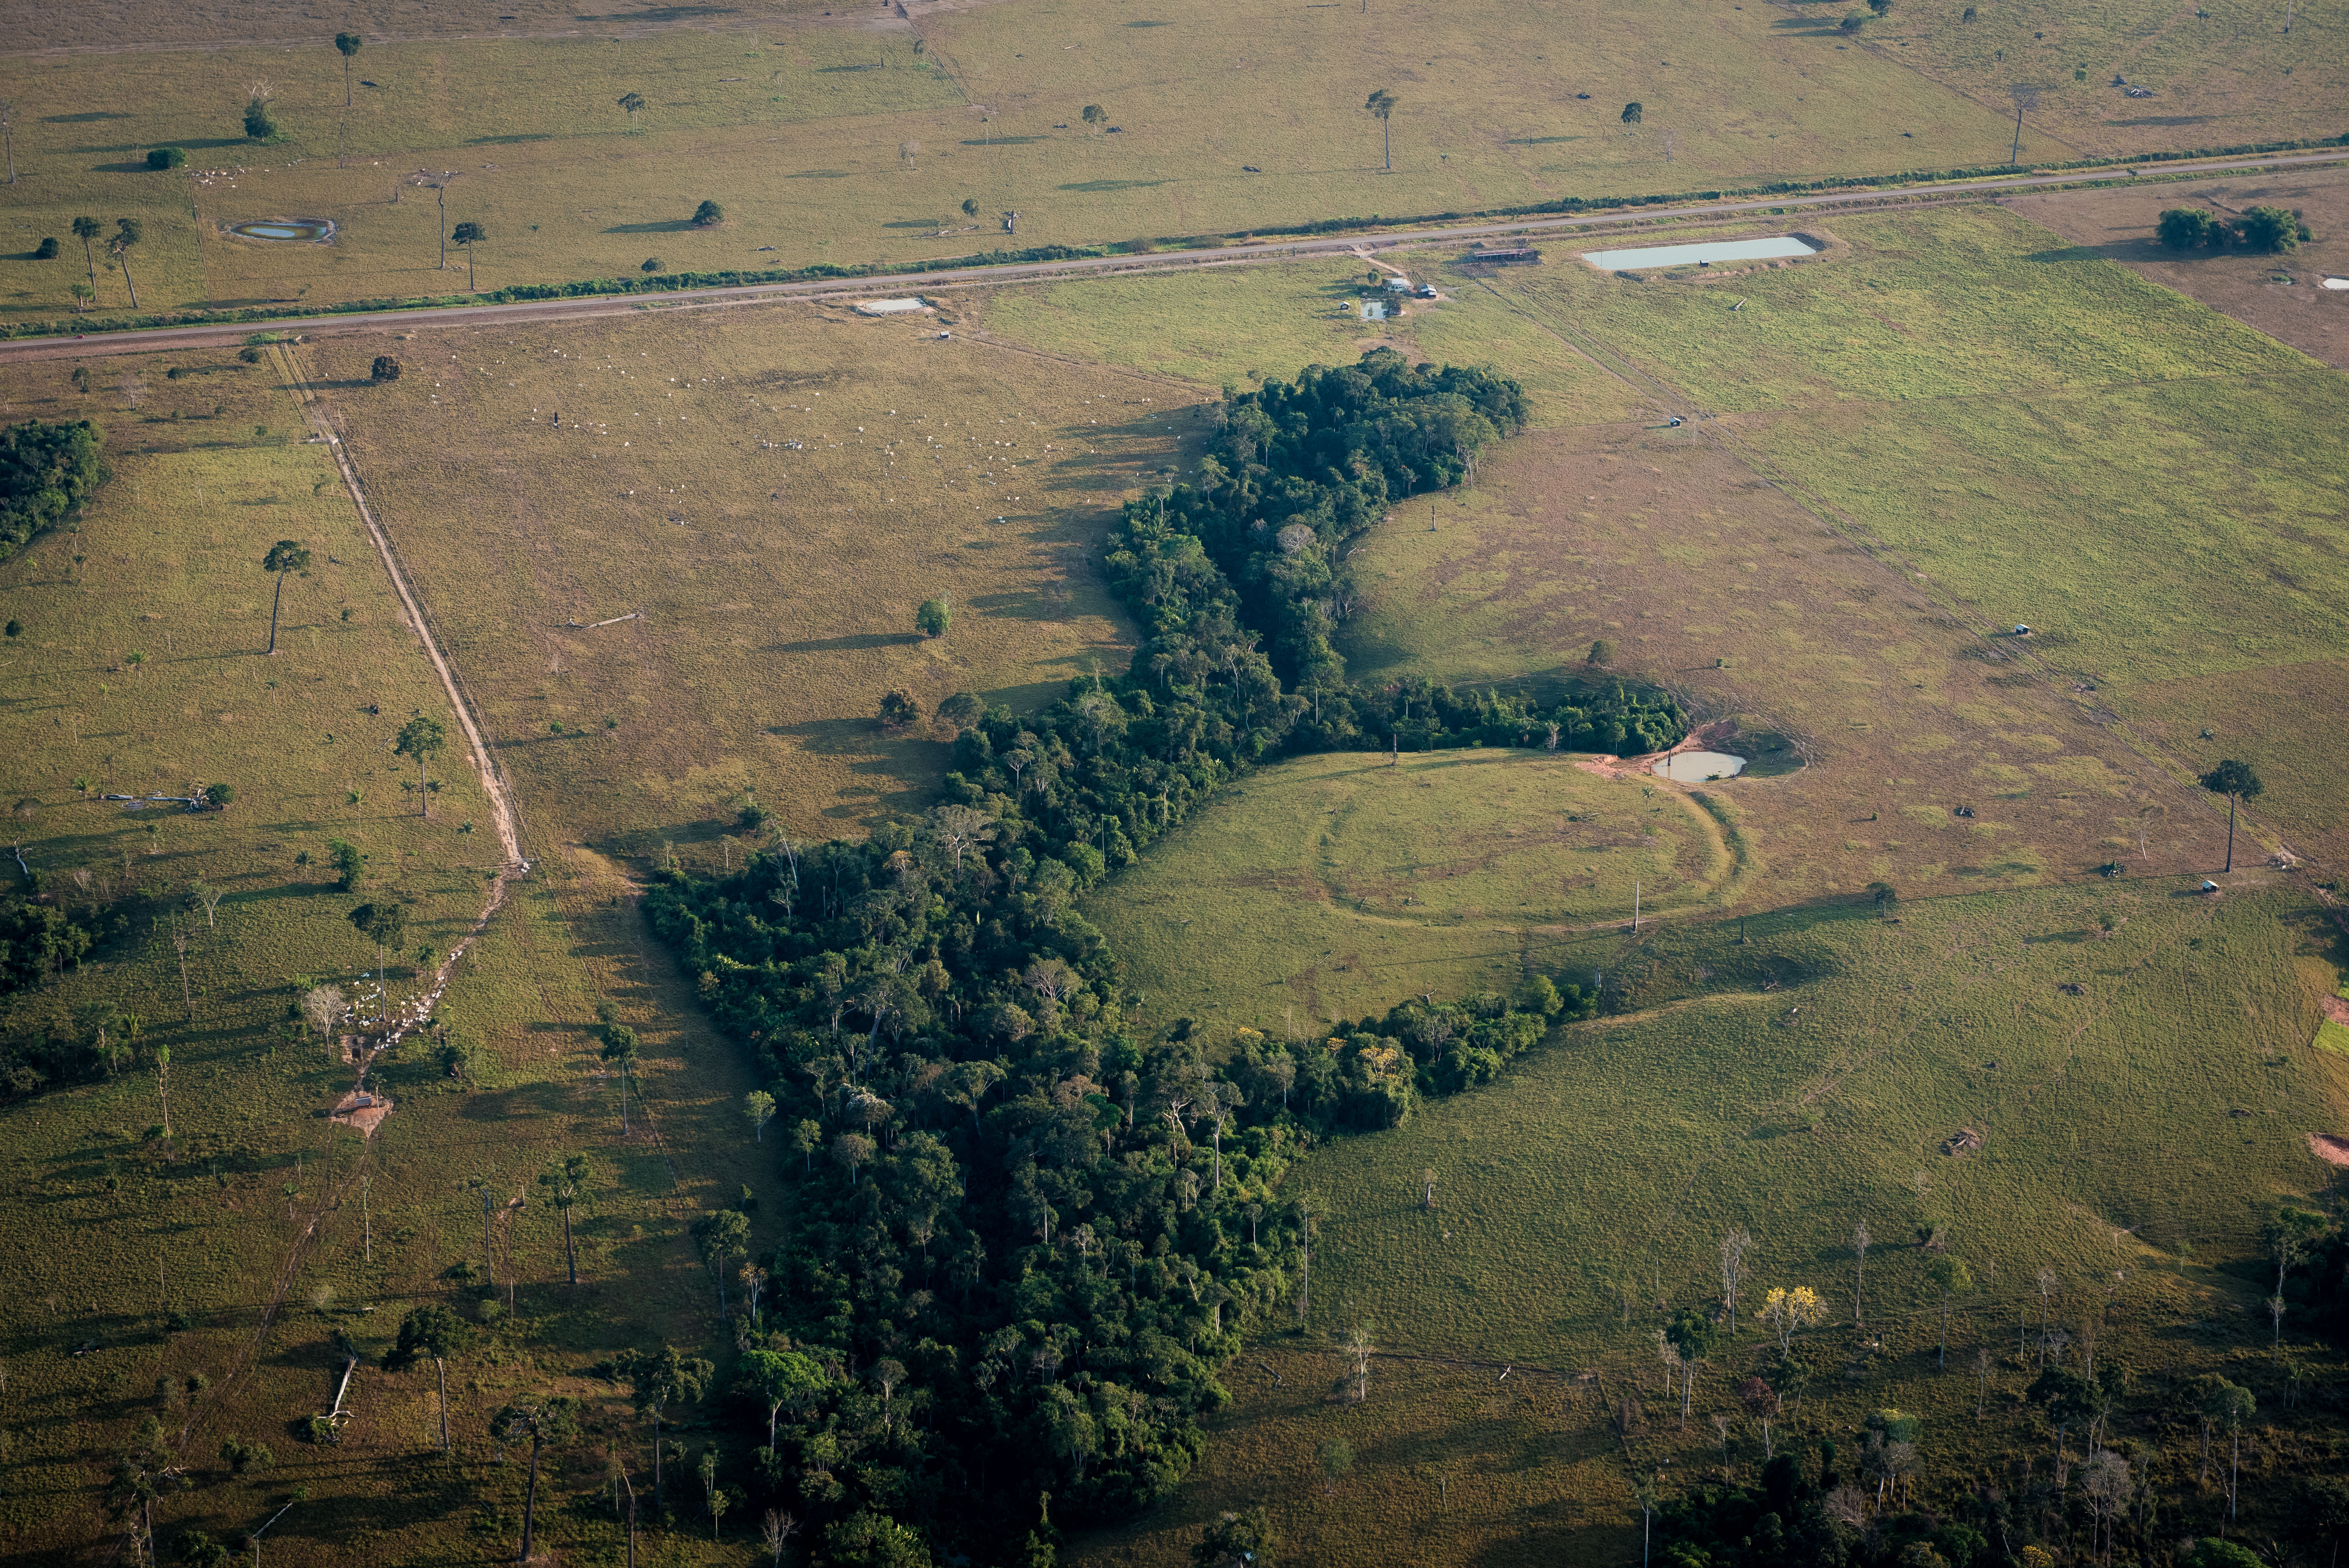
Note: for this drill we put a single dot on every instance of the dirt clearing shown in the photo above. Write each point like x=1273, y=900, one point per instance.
x=2117, y=225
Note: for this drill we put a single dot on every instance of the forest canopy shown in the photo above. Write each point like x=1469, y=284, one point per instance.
x=1027, y=1226
x=46, y=471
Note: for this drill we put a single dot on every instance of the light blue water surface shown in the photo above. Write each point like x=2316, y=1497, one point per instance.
x=1702, y=251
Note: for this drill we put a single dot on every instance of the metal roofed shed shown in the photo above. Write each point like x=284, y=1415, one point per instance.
x=1505, y=256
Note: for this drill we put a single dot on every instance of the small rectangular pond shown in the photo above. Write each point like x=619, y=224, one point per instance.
x=1688, y=255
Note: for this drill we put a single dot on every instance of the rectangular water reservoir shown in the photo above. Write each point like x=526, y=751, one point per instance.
x=1688, y=255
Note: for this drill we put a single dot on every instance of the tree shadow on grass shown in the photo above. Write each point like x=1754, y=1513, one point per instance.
x=673, y=226
x=856, y=642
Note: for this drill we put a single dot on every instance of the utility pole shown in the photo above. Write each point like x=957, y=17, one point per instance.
x=1635, y=906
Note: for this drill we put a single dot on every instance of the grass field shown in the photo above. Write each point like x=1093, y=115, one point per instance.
x=775, y=490
x=1336, y=886
x=2135, y=1135
x=256, y=1198
x=818, y=157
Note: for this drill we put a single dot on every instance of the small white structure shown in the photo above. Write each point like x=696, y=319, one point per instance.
x=2021, y=630
x=891, y=307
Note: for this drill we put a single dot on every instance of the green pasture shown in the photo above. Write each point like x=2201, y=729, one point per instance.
x=1808, y=1079
x=1252, y=323
x=118, y=1228
x=1333, y=886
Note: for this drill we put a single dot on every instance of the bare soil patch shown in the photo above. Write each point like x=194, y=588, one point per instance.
x=2329, y=1147
x=2118, y=225
x=362, y=1110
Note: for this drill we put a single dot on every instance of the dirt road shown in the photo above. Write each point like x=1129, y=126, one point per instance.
x=1287, y=250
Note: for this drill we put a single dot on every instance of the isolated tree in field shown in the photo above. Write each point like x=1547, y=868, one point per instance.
x=970, y=207
x=348, y=43
x=1380, y=105
x=468, y=234
x=1860, y=1242
x=2184, y=228
x=778, y=1378
x=146, y=1468
x=2228, y=1406
x=161, y=159
x=126, y=233
x=1095, y=115
x=384, y=370
x=1602, y=654
x=933, y=616
x=434, y=1332
x=1693, y=1337
x=723, y=1238
x=350, y=862
x=420, y=738
x=709, y=215
x=633, y=103
x=2269, y=230
x=1236, y=1540
x=658, y=1379
x=2238, y=783
x=1786, y=1311
x=538, y=1422
x=1734, y=1244
x=1880, y=7
x=1850, y=23
x=259, y=124
x=759, y=1107
x=1950, y=1277
x=86, y=230
x=620, y=1048
x=381, y=923
x=1631, y=112
x=285, y=555
x=321, y=1005
x=564, y=1180
x=900, y=709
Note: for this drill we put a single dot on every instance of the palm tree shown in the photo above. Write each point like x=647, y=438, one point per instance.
x=86, y=230
x=1381, y=103
x=126, y=233
x=2237, y=782
x=348, y=43
x=541, y=1422
x=468, y=235
x=435, y=1332
x=285, y=555
x=420, y=738
x=564, y=1180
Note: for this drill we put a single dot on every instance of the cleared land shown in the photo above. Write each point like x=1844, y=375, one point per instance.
x=773, y=491
x=256, y=1201
x=826, y=142
x=2283, y=296
x=1335, y=886
x=1579, y=1200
